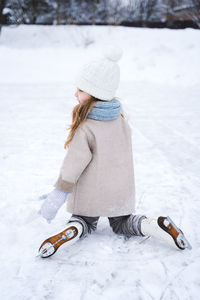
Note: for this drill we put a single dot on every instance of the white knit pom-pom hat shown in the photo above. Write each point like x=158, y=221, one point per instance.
x=100, y=77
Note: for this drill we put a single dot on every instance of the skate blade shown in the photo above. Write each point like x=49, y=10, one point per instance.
x=46, y=250
x=180, y=239
x=51, y=245
x=144, y=240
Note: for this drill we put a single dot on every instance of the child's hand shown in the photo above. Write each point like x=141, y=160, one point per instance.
x=52, y=203
x=43, y=196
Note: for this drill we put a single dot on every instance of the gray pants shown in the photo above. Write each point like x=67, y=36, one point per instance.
x=128, y=225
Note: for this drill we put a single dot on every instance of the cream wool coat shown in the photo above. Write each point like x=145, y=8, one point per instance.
x=98, y=171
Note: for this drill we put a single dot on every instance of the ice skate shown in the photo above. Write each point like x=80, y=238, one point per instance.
x=70, y=235
x=165, y=229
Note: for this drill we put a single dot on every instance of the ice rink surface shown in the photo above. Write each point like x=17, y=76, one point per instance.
x=160, y=92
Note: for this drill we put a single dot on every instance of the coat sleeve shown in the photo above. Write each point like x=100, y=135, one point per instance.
x=75, y=161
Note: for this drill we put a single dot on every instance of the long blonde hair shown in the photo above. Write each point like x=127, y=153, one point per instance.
x=79, y=116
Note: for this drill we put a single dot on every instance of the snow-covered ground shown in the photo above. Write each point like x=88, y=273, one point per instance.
x=160, y=91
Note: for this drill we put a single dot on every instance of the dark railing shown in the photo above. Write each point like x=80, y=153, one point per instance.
x=137, y=13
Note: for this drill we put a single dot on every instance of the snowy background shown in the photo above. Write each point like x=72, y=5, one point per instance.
x=160, y=92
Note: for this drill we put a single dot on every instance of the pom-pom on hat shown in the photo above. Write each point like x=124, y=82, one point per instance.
x=100, y=77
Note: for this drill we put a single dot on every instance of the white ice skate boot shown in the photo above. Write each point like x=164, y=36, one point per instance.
x=166, y=230
x=69, y=236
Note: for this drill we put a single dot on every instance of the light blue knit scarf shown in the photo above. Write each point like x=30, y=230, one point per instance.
x=106, y=110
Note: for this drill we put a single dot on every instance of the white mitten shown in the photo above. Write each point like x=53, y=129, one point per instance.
x=53, y=201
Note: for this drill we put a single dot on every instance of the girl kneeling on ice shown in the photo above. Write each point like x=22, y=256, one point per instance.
x=97, y=174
